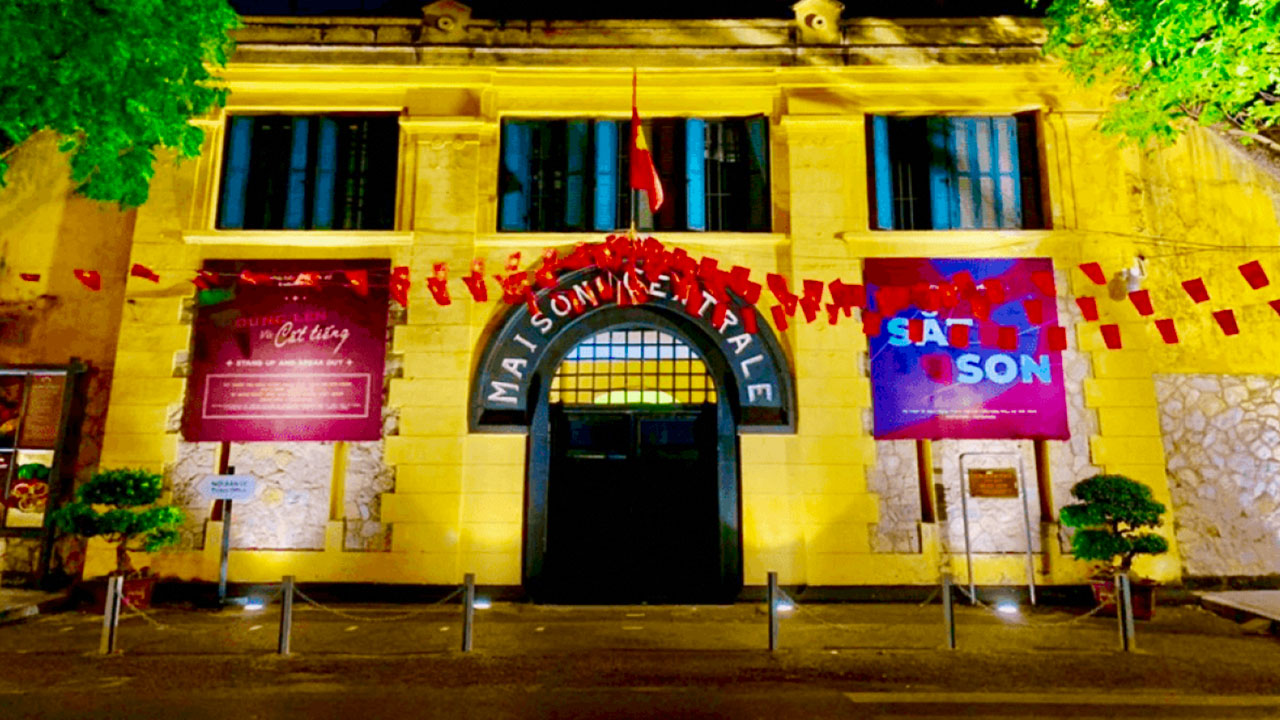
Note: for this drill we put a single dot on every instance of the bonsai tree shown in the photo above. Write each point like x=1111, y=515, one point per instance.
x=1111, y=520
x=120, y=505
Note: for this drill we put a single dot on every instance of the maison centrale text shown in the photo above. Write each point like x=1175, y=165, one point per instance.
x=522, y=351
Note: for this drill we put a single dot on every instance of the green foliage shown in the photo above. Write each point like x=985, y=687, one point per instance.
x=1110, y=518
x=115, y=79
x=33, y=471
x=1212, y=61
x=128, y=516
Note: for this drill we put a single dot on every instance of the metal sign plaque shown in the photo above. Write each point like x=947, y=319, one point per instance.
x=228, y=487
x=993, y=482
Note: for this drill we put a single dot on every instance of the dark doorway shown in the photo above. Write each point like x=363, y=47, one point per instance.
x=633, y=506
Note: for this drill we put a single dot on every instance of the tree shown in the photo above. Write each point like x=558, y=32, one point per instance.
x=1111, y=520
x=115, y=79
x=1216, y=62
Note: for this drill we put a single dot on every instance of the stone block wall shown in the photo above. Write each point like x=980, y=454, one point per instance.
x=1222, y=439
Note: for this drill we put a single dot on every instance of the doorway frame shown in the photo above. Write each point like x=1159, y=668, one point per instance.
x=539, y=449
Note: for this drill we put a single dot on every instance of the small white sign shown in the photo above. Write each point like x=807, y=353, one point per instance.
x=227, y=487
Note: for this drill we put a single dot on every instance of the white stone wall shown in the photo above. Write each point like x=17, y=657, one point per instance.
x=894, y=479
x=367, y=478
x=1222, y=444
x=996, y=525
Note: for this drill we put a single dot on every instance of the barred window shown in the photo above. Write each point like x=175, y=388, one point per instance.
x=632, y=366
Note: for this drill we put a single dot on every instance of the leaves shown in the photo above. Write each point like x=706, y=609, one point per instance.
x=115, y=79
x=152, y=527
x=1209, y=61
x=1110, y=517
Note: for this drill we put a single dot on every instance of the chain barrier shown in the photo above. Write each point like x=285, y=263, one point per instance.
x=150, y=620
x=1022, y=620
x=366, y=618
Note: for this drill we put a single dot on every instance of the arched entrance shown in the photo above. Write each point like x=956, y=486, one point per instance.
x=633, y=414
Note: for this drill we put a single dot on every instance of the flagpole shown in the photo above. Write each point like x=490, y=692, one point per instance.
x=635, y=194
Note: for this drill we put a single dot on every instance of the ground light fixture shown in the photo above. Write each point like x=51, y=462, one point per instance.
x=1007, y=607
x=254, y=604
x=482, y=604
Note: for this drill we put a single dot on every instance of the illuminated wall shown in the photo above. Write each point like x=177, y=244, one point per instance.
x=811, y=501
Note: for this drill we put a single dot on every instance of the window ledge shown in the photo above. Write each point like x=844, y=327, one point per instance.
x=525, y=239
x=965, y=243
x=299, y=238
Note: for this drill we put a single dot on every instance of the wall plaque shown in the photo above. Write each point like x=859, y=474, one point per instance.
x=993, y=482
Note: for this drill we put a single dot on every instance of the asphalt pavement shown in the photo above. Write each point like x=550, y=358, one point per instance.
x=836, y=661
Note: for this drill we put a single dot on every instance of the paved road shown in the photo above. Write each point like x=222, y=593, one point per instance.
x=319, y=699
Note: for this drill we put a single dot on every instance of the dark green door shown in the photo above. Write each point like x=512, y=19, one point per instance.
x=633, y=507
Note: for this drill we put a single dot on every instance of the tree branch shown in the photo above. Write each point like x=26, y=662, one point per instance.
x=1260, y=139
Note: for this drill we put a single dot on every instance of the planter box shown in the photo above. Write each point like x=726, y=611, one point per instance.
x=137, y=591
x=1144, y=598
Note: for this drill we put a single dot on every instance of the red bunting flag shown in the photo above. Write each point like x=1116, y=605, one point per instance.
x=1043, y=280
x=989, y=336
x=810, y=308
x=400, y=285
x=719, y=315
x=813, y=289
x=30, y=277
x=144, y=272
x=438, y=285
x=1057, y=338
x=89, y=278
x=937, y=367
x=1195, y=288
x=1088, y=308
x=1111, y=336
x=958, y=335
x=871, y=323
x=749, y=322
x=980, y=306
x=1034, y=310
x=477, y=287
x=1168, y=332
x=1275, y=305
x=604, y=288
x=205, y=280
x=891, y=299
x=250, y=277
x=531, y=301
x=1254, y=274
x=833, y=313
x=915, y=330
x=1007, y=338
x=513, y=262
x=358, y=280
x=994, y=290
x=1141, y=300
x=963, y=282
x=1227, y=321
x=1093, y=271
x=779, y=318
x=778, y=286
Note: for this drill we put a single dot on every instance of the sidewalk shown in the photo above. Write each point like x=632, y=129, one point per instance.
x=1183, y=649
x=18, y=604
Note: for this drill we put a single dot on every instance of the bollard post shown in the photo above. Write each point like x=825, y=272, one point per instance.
x=1124, y=606
x=468, y=609
x=286, y=615
x=773, y=611
x=111, y=614
x=948, y=611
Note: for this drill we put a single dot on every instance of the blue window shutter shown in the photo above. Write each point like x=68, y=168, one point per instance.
x=577, y=139
x=605, y=211
x=695, y=173
x=514, y=177
x=883, y=164
x=296, y=199
x=235, y=179
x=760, y=203
x=326, y=172
x=1008, y=175
x=940, y=191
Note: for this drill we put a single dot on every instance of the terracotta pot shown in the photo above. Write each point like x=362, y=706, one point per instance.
x=1144, y=598
x=137, y=591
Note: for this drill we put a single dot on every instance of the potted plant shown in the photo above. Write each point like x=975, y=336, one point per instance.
x=120, y=505
x=1112, y=522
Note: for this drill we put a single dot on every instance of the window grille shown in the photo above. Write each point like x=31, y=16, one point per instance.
x=632, y=366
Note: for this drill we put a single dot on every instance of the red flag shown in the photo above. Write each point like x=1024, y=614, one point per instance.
x=1093, y=271
x=779, y=318
x=833, y=313
x=144, y=272
x=1034, y=310
x=871, y=323
x=359, y=281
x=1088, y=307
x=1043, y=280
x=915, y=330
x=1227, y=321
x=1195, y=288
x=1275, y=305
x=749, y=319
x=30, y=277
x=644, y=176
x=89, y=278
x=937, y=367
x=1007, y=337
x=1254, y=274
x=1141, y=300
x=1167, y=330
x=1111, y=336
x=400, y=285
x=1057, y=338
x=958, y=335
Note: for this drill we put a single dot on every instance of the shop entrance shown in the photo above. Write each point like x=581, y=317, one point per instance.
x=641, y=493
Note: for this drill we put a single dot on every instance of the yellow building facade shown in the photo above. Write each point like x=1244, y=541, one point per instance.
x=814, y=496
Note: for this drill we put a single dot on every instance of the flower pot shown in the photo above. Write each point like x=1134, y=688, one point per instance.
x=1144, y=598
x=137, y=592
